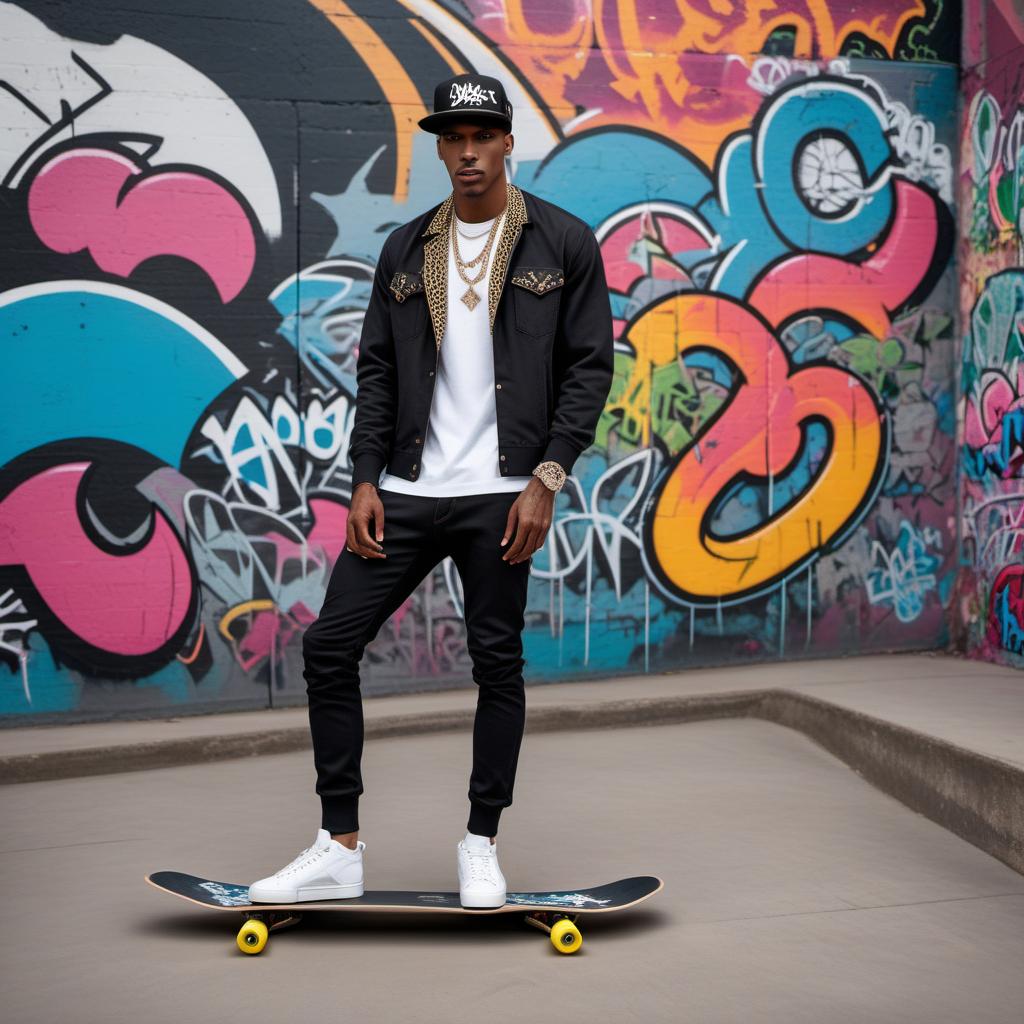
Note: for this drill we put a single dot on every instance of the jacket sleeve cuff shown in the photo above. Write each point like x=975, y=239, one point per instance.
x=561, y=452
x=366, y=469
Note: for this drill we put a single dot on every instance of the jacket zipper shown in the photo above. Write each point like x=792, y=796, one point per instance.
x=504, y=278
x=430, y=404
x=433, y=387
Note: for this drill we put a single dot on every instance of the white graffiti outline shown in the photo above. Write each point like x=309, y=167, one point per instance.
x=11, y=604
x=1001, y=544
x=897, y=577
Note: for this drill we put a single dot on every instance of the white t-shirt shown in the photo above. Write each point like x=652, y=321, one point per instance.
x=460, y=448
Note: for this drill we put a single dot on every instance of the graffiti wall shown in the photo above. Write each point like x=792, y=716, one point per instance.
x=990, y=598
x=193, y=203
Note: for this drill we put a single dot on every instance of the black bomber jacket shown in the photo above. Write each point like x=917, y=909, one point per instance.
x=551, y=330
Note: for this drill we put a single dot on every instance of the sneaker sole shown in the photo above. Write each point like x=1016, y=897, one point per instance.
x=483, y=900
x=306, y=894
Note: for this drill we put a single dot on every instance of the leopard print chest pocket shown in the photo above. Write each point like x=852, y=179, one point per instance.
x=408, y=304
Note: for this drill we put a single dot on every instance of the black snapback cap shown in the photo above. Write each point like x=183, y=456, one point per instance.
x=468, y=97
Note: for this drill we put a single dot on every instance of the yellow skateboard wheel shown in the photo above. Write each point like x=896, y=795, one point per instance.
x=565, y=936
x=252, y=936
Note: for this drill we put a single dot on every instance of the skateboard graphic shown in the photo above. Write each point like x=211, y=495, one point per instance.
x=552, y=912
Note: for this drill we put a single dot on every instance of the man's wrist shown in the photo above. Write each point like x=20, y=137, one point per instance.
x=366, y=468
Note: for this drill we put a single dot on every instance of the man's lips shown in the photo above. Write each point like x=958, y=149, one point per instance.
x=474, y=173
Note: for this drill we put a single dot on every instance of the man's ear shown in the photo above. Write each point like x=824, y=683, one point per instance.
x=509, y=142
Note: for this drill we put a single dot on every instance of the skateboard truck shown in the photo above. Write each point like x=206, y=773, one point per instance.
x=255, y=933
x=561, y=929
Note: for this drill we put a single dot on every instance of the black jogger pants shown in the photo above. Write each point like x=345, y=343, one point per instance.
x=363, y=593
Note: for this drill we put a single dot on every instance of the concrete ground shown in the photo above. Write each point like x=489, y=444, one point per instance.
x=794, y=890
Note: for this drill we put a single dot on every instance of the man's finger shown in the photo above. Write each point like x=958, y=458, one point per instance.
x=518, y=546
x=510, y=524
x=532, y=542
x=365, y=544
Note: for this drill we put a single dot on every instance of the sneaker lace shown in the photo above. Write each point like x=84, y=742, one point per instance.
x=480, y=865
x=307, y=856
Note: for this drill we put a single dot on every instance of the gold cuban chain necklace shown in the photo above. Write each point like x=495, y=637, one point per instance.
x=470, y=296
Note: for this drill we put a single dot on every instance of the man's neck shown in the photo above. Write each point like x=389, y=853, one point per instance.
x=472, y=209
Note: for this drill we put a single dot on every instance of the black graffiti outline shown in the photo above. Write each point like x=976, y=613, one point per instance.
x=67, y=118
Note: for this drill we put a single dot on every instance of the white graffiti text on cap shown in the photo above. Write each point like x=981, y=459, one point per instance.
x=469, y=92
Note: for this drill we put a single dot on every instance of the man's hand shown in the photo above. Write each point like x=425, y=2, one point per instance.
x=529, y=518
x=366, y=508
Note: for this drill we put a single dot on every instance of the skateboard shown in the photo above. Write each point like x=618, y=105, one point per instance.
x=552, y=912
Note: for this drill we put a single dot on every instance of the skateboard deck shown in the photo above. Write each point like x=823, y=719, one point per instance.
x=552, y=911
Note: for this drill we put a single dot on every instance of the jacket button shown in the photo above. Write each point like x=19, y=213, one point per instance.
x=431, y=374
x=502, y=458
x=414, y=467
x=498, y=386
x=419, y=440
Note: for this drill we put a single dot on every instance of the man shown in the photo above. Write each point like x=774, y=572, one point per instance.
x=485, y=361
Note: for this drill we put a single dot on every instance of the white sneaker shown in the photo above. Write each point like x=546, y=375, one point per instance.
x=481, y=883
x=324, y=871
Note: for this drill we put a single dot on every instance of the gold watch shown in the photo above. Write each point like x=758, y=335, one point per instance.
x=550, y=474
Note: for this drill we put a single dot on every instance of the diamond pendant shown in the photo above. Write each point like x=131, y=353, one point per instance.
x=470, y=298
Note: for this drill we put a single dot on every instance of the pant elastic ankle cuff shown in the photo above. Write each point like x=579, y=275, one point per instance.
x=339, y=814
x=483, y=821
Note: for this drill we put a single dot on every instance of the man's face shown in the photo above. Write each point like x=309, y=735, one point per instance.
x=474, y=155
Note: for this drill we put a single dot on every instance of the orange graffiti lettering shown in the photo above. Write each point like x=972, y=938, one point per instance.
x=758, y=434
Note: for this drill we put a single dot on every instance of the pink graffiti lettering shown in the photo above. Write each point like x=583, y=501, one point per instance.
x=866, y=291
x=128, y=604
x=101, y=201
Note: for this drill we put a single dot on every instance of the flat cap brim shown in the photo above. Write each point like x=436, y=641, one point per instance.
x=435, y=122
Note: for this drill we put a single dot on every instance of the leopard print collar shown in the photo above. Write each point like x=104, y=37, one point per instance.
x=435, y=258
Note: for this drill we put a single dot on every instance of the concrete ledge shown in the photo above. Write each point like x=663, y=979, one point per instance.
x=169, y=753
x=979, y=798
